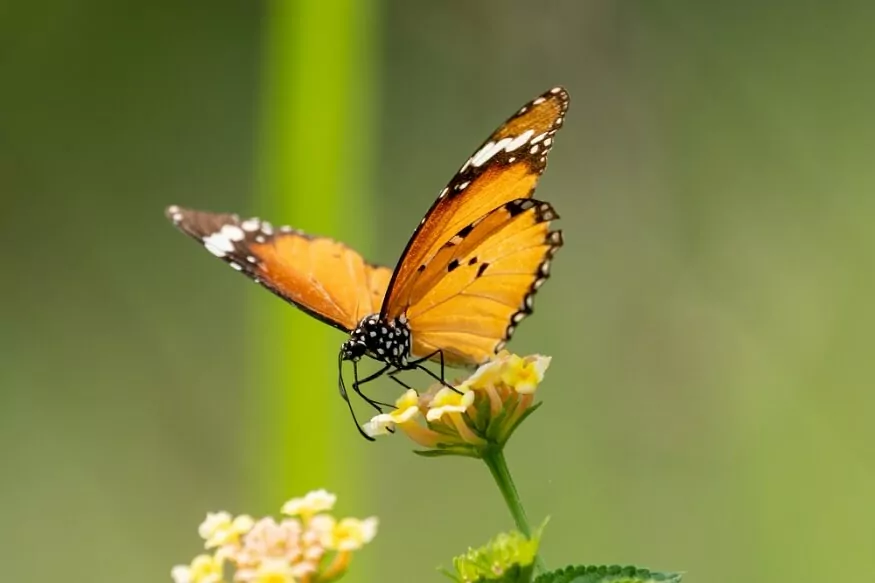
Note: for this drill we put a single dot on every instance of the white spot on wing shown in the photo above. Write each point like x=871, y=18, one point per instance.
x=483, y=154
x=490, y=149
x=233, y=232
x=519, y=140
x=214, y=250
x=218, y=244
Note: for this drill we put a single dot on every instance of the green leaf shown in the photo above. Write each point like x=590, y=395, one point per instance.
x=507, y=558
x=607, y=574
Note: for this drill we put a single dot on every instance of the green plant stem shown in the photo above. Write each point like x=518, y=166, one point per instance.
x=498, y=468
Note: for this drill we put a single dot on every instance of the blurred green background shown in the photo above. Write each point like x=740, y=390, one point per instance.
x=710, y=403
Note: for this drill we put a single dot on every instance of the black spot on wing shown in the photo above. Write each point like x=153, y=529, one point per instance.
x=518, y=206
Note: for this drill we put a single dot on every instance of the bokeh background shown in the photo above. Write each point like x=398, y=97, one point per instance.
x=710, y=403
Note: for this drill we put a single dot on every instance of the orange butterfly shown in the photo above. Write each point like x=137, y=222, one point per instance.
x=465, y=280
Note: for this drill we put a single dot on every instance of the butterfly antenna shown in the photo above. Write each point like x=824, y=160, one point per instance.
x=345, y=395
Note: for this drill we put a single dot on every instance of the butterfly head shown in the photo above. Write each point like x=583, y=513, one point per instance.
x=387, y=342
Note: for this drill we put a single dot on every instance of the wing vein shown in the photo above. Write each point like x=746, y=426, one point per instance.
x=318, y=285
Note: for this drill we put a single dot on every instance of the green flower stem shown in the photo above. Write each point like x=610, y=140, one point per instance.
x=497, y=465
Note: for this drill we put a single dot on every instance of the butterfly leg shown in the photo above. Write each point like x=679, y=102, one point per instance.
x=441, y=379
x=358, y=383
x=392, y=376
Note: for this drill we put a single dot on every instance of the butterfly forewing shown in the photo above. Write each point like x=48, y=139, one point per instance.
x=506, y=167
x=321, y=276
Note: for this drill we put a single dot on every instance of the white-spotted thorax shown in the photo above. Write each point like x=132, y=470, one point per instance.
x=387, y=342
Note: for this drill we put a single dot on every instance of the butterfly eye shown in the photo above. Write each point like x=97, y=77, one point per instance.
x=353, y=349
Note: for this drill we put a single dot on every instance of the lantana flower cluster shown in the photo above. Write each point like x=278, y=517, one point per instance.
x=308, y=545
x=471, y=416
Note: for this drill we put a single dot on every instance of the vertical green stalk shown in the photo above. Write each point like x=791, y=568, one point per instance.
x=497, y=465
x=316, y=86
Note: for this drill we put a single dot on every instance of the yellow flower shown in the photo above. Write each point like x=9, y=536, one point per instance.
x=219, y=529
x=524, y=374
x=488, y=373
x=406, y=410
x=349, y=534
x=448, y=400
x=352, y=534
x=313, y=503
x=203, y=569
x=311, y=546
x=478, y=414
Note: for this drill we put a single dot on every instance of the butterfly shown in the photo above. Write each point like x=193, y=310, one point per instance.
x=465, y=280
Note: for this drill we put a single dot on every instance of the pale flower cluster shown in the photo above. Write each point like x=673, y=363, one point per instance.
x=308, y=545
x=479, y=412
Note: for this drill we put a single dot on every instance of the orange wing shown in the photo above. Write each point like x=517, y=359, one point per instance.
x=482, y=283
x=505, y=168
x=322, y=277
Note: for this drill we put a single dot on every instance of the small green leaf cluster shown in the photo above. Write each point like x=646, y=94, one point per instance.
x=510, y=558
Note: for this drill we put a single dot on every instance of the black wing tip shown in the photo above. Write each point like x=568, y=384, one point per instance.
x=559, y=92
x=545, y=211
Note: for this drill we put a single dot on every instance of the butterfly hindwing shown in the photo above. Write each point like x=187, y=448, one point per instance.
x=482, y=283
x=321, y=276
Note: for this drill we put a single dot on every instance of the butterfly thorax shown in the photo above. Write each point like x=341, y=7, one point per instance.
x=386, y=341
